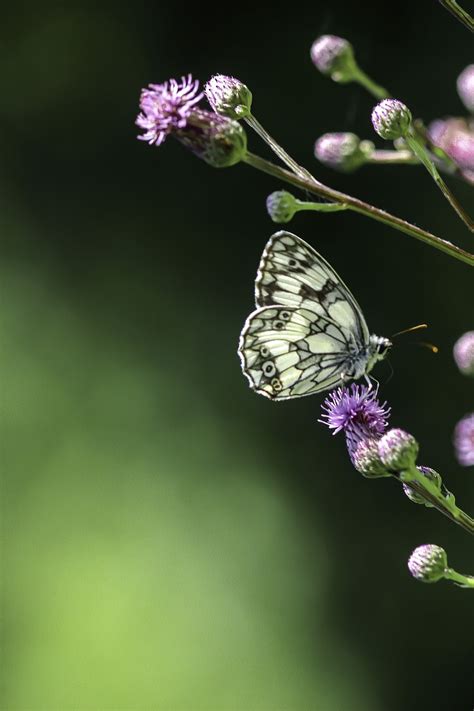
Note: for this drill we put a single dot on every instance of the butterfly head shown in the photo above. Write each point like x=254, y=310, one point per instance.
x=378, y=349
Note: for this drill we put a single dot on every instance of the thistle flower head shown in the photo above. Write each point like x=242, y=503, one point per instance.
x=228, y=96
x=342, y=151
x=166, y=107
x=391, y=119
x=464, y=441
x=366, y=459
x=465, y=86
x=428, y=563
x=456, y=137
x=281, y=206
x=334, y=57
x=463, y=353
x=170, y=109
x=357, y=412
x=398, y=449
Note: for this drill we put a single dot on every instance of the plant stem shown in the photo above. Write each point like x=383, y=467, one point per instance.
x=320, y=206
x=375, y=89
x=420, y=151
x=438, y=499
x=393, y=157
x=464, y=581
x=316, y=188
x=276, y=148
x=463, y=16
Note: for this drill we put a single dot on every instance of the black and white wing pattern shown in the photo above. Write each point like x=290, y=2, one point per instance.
x=307, y=330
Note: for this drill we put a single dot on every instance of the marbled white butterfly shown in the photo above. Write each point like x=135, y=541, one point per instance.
x=308, y=333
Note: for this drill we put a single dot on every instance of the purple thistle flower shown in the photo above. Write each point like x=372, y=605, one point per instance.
x=456, y=137
x=357, y=412
x=166, y=107
x=170, y=109
x=464, y=440
x=463, y=353
x=342, y=151
x=465, y=86
x=428, y=563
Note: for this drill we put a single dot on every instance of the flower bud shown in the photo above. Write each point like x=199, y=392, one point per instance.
x=334, y=57
x=281, y=206
x=228, y=96
x=398, y=450
x=463, y=353
x=417, y=498
x=391, y=119
x=464, y=441
x=366, y=459
x=465, y=86
x=218, y=140
x=428, y=563
x=342, y=151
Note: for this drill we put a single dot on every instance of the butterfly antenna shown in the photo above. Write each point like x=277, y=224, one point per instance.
x=408, y=330
x=431, y=346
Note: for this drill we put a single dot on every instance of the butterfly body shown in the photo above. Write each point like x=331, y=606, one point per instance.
x=308, y=333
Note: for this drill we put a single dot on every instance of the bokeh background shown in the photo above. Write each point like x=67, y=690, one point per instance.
x=170, y=540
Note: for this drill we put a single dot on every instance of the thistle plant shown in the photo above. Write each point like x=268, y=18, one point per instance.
x=216, y=133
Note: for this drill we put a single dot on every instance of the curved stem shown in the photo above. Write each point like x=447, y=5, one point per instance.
x=441, y=500
x=316, y=188
x=379, y=92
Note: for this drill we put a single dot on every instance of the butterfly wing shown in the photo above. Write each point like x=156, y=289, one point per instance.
x=293, y=274
x=288, y=352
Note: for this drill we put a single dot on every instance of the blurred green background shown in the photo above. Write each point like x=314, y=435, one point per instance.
x=170, y=540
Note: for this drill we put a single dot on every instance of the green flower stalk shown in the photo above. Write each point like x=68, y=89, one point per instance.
x=282, y=206
x=392, y=120
x=230, y=97
x=334, y=57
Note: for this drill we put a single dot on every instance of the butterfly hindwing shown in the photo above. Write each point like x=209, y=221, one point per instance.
x=293, y=274
x=291, y=351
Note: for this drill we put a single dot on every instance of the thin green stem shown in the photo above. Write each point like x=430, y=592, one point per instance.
x=464, y=581
x=319, y=206
x=379, y=92
x=442, y=501
x=414, y=143
x=458, y=12
x=276, y=148
x=383, y=157
x=316, y=188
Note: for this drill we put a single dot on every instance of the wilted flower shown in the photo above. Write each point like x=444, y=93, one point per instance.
x=465, y=85
x=357, y=412
x=464, y=440
x=391, y=119
x=463, y=353
x=170, y=109
x=428, y=563
x=342, y=151
x=228, y=96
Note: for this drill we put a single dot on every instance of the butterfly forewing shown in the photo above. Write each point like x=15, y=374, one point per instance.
x=307, y=326
x=292, y=273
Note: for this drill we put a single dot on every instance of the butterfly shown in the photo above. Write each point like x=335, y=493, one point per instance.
x=308, y=333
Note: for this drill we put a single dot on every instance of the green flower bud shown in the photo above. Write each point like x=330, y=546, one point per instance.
x=391, y=119
x=281, y=206
x=228, y=96
x=430, y=474
x=218, y=140
x=366, y=459
x=398, y=450
x=342, y=151
x=428, y=563
x=334, y=57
